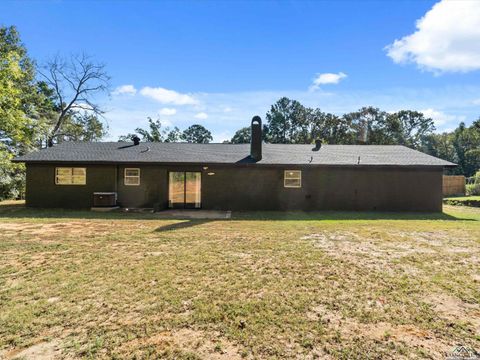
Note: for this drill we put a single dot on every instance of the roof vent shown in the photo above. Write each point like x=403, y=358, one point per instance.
x=136, y=140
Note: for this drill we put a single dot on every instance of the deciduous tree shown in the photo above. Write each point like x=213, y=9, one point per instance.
x=466, y=141
x=407, y=127
x=197, y=134
x=156, y=132
x=242, y=136
x=18, y=95
x=75, y=82
x=18, y=100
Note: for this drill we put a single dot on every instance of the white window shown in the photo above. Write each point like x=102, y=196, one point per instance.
x=292, y=179
x=70, y=176
x=132, y=176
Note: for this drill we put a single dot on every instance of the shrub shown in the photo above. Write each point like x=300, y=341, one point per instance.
x=477, y=177
x=12, y=177
x=463, y=201
x=473, y=189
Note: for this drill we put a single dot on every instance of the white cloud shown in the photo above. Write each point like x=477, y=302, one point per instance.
x=125, y=89
x=167, y=111
x=227, y=109
x=447, y=39
x=201, y=116
x=82, y=106
x=325, y=79
x=476, y=101
x=440, y=118
x=166, y=96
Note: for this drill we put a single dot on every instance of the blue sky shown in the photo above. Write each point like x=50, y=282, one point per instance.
x=220, y=63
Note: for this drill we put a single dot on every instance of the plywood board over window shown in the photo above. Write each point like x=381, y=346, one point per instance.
x=70, y=176
x=132, y=176
x=292, y=179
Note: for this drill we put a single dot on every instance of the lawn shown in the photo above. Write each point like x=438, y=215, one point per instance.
x=261, y=285
x=463, y=201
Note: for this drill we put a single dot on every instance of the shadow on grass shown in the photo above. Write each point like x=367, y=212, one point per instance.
x=183, y=225
x=19, y=211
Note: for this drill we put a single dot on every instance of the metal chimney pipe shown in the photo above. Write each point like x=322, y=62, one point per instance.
x=256, y=139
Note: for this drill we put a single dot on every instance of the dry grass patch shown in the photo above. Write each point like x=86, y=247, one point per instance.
x=186, y=341
x=40, y=351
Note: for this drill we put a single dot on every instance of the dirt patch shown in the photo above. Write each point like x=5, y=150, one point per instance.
x=18, y=227
x=369, y=252
x=348, y=242
x=70, y=228
x=381, y=331
x=379, y=250
x=452, y=308
x=206, y=346
x=40, y=351
x=435, y=238
x=406, y=334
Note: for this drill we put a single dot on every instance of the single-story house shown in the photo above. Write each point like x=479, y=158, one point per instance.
x=256, y=176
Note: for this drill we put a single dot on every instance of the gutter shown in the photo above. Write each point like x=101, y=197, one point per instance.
x=236, y=164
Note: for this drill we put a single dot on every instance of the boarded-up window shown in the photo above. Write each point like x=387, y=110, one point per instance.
x=132, y=176
x=292, y=179
x=70, y=176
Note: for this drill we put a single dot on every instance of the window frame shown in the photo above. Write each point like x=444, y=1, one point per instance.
x=71, y=176
x=125, y=176
x=299, y=178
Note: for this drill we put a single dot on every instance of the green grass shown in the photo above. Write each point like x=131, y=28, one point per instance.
x=261, y=285
x=464, y=198
x=463, y=201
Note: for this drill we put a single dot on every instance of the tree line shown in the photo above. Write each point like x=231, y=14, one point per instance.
x=156, y=132
x=290, y=122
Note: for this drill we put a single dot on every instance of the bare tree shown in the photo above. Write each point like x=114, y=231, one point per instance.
x=75, y=81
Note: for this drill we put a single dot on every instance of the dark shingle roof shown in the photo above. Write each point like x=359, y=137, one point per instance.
x=273, y=154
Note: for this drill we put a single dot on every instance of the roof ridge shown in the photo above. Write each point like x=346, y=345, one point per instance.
x=187, y=143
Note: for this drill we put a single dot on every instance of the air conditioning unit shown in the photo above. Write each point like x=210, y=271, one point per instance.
x=104, y=199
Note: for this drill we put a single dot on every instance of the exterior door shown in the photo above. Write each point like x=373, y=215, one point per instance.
x=184, y=189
